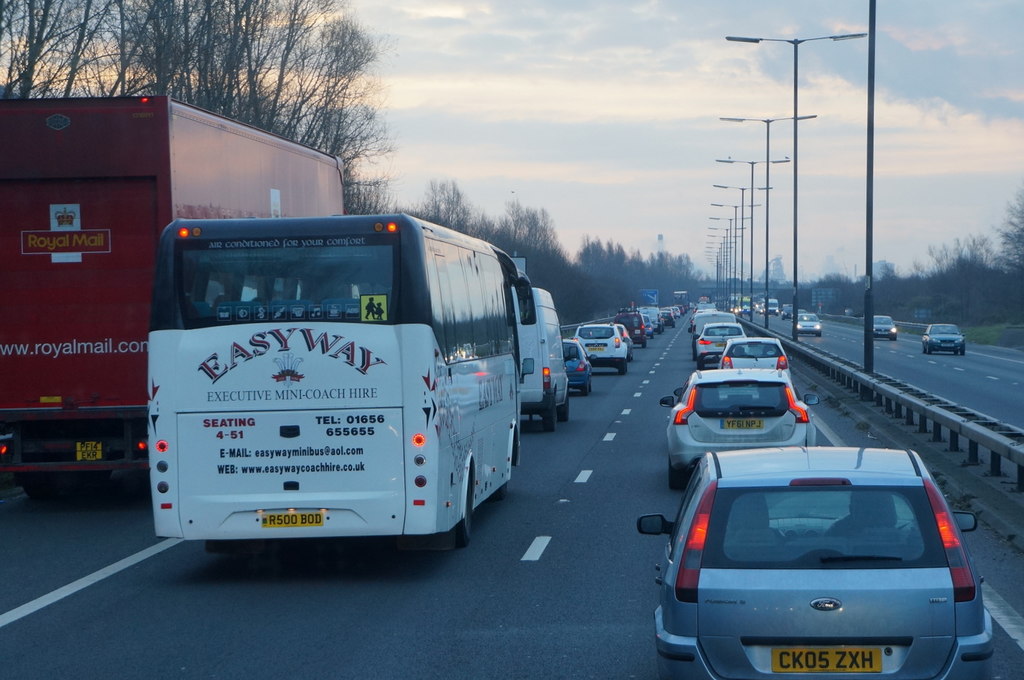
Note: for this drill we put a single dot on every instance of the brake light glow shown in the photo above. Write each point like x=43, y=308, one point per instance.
x=618, y=341
x=782, y=364
x=727, y=362
x=684, y=413
x=794, y=408
x=688, y=576
x=702, y=341
x=964, y=589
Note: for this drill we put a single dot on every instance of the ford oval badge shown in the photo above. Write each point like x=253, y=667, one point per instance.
x=826, y=604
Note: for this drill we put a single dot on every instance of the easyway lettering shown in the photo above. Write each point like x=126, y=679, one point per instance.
x=289, y=340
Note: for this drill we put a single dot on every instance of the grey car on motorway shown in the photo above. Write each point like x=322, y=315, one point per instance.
x=823, y=561
x=884, y=327
x=943, y=337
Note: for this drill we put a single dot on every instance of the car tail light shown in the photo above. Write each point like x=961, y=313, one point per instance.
x=795, y=408
x=547, y=378
x=964, y=589
x=688, y=577
x=618, y=341
x=727, y=362
x=702, y=341
x=582, y=367
x=782, y=364
x=684, y=413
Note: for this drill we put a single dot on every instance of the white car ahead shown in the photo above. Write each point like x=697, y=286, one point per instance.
x=738, y=408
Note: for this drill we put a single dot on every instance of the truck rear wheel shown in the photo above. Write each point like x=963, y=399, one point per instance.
x=38, y=486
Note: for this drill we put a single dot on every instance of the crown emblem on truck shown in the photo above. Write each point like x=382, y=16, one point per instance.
x=65, y=218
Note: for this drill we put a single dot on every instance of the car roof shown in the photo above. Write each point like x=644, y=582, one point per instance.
x=720, y=375
x=723, y=324
x=781, y=465
x=753, y=339
x=596, y=325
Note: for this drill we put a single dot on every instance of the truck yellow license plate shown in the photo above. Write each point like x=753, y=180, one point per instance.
x=284, y=520
x=827, y=660
x=743, y=424
x=88, y=450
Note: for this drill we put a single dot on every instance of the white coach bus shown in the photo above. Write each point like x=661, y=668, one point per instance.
x=330, y=376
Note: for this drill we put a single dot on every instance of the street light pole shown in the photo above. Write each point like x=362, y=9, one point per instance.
x=752, y=206
x=795, y=42
x=869, y=302
x=767, y=181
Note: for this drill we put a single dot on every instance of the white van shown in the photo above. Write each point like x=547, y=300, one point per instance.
x=544, y=384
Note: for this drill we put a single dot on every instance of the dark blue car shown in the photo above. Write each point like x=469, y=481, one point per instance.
x=577, y=367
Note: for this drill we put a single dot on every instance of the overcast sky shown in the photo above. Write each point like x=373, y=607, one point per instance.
x=607, y=115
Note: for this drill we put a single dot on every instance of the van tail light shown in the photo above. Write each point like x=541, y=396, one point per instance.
x=964, y=589
x=547, y=378
x=684, y=413
x=727, y=362
x=688, y=576
x=799, y=411
x=782, y=364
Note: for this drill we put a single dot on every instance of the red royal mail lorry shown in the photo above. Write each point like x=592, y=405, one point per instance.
x=86, y=186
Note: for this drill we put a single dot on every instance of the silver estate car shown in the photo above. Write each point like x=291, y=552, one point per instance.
x=829, y=562
x=737, y=408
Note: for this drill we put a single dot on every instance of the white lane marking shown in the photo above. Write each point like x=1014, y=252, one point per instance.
x=626, y=411
x=646, y=382
x=957, y=368
x=991, y=377
x=1004, y=614
x=829, y=432
x=84, y=582
x=536, y=549
x=583, y=476
x=637, y=394
x=609, y=436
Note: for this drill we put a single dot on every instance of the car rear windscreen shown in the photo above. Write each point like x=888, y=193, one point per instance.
x=823, y=527
x=741, y=398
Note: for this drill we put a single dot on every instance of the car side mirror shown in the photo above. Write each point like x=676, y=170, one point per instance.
x=654, y=525
x=527, y=368
x=967, y=521
x=670, y=402
x=811, y=399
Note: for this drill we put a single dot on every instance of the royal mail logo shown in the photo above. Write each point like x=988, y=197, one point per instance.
x=77, y=241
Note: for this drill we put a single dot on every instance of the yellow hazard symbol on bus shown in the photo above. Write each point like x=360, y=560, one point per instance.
x=373, y=307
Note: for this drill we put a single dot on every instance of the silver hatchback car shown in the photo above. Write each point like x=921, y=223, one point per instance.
x=823, y=561
x=737, y=408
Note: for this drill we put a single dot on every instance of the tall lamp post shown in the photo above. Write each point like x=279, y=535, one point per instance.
x=767, y=164
x=795, y=42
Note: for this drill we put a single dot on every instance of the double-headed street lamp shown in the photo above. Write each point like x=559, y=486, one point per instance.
x=767, y=188
x=795, y=42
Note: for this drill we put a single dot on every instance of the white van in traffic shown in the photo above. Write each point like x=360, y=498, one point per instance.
x=544, y=384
